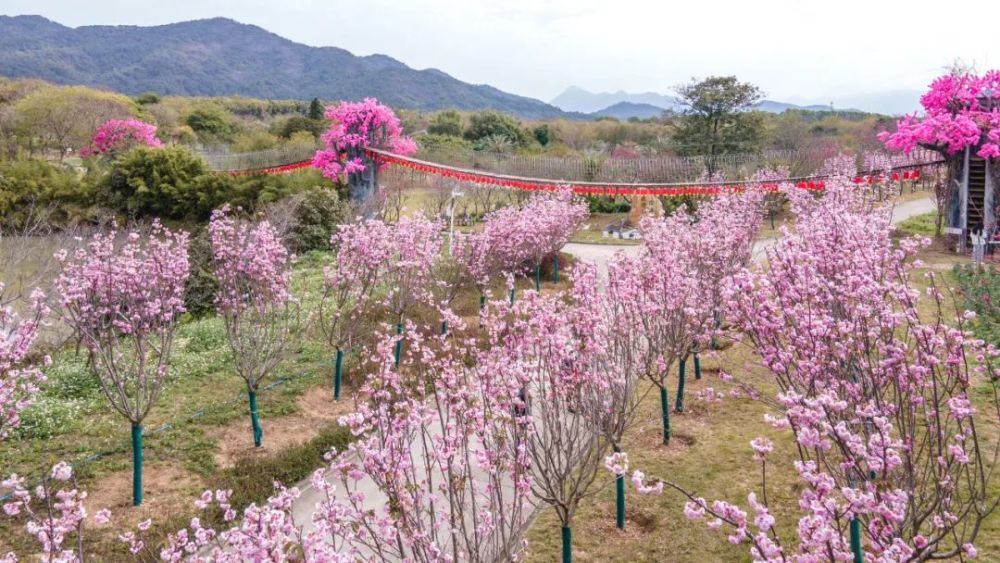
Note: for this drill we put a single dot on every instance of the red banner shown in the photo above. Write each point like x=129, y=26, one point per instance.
x=814, y=183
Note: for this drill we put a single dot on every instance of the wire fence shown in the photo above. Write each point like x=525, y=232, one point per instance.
x=221, y=160
x=599, y=167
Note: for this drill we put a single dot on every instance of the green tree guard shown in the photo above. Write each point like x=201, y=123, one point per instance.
x=538, y=277
x=258, y=432
x=555, y=269
x=665, y=410
x=482, y=302
x=567, y=545
x=399, y=343
x=859, y=556
x=697, y=367
x=512, y=294
x=338, y=366
x=444, y=327
x=136, y=465
x=679, y=402
x=619, y=498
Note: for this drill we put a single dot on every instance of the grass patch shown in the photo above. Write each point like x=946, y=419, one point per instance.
x=918, y=225
x=252, y=477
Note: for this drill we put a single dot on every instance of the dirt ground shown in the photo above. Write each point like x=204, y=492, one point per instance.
x=316, y=410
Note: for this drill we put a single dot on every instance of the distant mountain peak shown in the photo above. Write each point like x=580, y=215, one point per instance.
x=895, y=102
x=578, y=99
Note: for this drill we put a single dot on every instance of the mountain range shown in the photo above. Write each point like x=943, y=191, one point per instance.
x=623, y=104
x=219, y=56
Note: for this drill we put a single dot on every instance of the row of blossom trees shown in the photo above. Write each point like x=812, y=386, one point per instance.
x=122, y=293
x=875, y=393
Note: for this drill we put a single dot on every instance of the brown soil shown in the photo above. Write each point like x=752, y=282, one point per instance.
x=317, y=409
x=167, y=489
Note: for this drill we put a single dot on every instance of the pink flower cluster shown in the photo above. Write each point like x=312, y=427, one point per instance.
x=19, y=376
x=118, y=135
x=357, y=126
x=124, y=299
x=517, y=237
x=253, y=271
x=250, y=263
x=961, y=110
x=54, y=516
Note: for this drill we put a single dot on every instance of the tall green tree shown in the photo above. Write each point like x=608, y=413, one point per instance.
x=717, y=119
x=492, y=124
x=448, y=122
x=315, y=109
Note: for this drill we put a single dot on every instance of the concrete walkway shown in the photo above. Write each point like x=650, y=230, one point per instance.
x=304, y=506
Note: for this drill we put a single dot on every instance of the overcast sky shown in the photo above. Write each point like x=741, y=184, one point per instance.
x=795, y=51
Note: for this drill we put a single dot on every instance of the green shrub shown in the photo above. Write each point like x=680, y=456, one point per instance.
x=159, y=183
x=491, y=124
x=608, y=204
x=28, y=184
x=210, y=124
x=315, y=218
x=199, y=290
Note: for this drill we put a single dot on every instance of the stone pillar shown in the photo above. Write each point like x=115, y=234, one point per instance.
x=643, y=205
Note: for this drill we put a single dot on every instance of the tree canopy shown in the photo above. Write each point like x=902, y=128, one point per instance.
x=717, y=119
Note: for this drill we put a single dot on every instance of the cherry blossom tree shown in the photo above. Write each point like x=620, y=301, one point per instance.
x=719, y=246
x=362, y=251
x=253, y=272
x=546, y=379
x=547, y=221
x=432, y=436
x=19, y=375
x=612, y=350
x=371, y=255
x=115, y=136
x=672, y=308
x=494, y=251
x=124, y=301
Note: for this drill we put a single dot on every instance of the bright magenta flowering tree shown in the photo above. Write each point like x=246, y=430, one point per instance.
x=124, y=300
x=118, y=135
x=357, y=126
x=960, y=110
